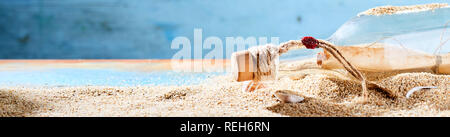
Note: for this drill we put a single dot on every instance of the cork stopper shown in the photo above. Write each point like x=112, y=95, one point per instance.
x=257, y=63
x=242, y=66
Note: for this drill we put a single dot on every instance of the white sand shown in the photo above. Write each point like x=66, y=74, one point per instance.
x=326, y=92
x=387, y=10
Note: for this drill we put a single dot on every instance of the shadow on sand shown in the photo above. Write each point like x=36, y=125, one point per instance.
x=12, y=105
x=312, y=107
x=337, y=102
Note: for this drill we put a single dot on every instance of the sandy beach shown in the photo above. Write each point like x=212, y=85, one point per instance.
x=326, y=92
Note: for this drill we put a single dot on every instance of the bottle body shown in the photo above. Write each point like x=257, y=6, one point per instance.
x=401, y=41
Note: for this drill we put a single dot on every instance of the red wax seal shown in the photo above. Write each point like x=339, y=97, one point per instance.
x=310, y=42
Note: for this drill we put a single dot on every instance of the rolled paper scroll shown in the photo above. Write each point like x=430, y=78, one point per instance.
x=379, y=58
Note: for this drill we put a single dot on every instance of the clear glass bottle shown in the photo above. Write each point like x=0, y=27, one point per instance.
x=411, y=39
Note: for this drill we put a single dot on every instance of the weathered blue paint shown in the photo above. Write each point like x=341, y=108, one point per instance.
x=137, y=29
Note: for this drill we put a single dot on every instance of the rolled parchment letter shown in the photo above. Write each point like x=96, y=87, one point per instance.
x=378, y=58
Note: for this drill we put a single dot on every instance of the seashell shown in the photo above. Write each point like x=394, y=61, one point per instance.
x=287, y=97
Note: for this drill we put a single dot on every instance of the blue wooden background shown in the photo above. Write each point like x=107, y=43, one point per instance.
x=144, y=29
